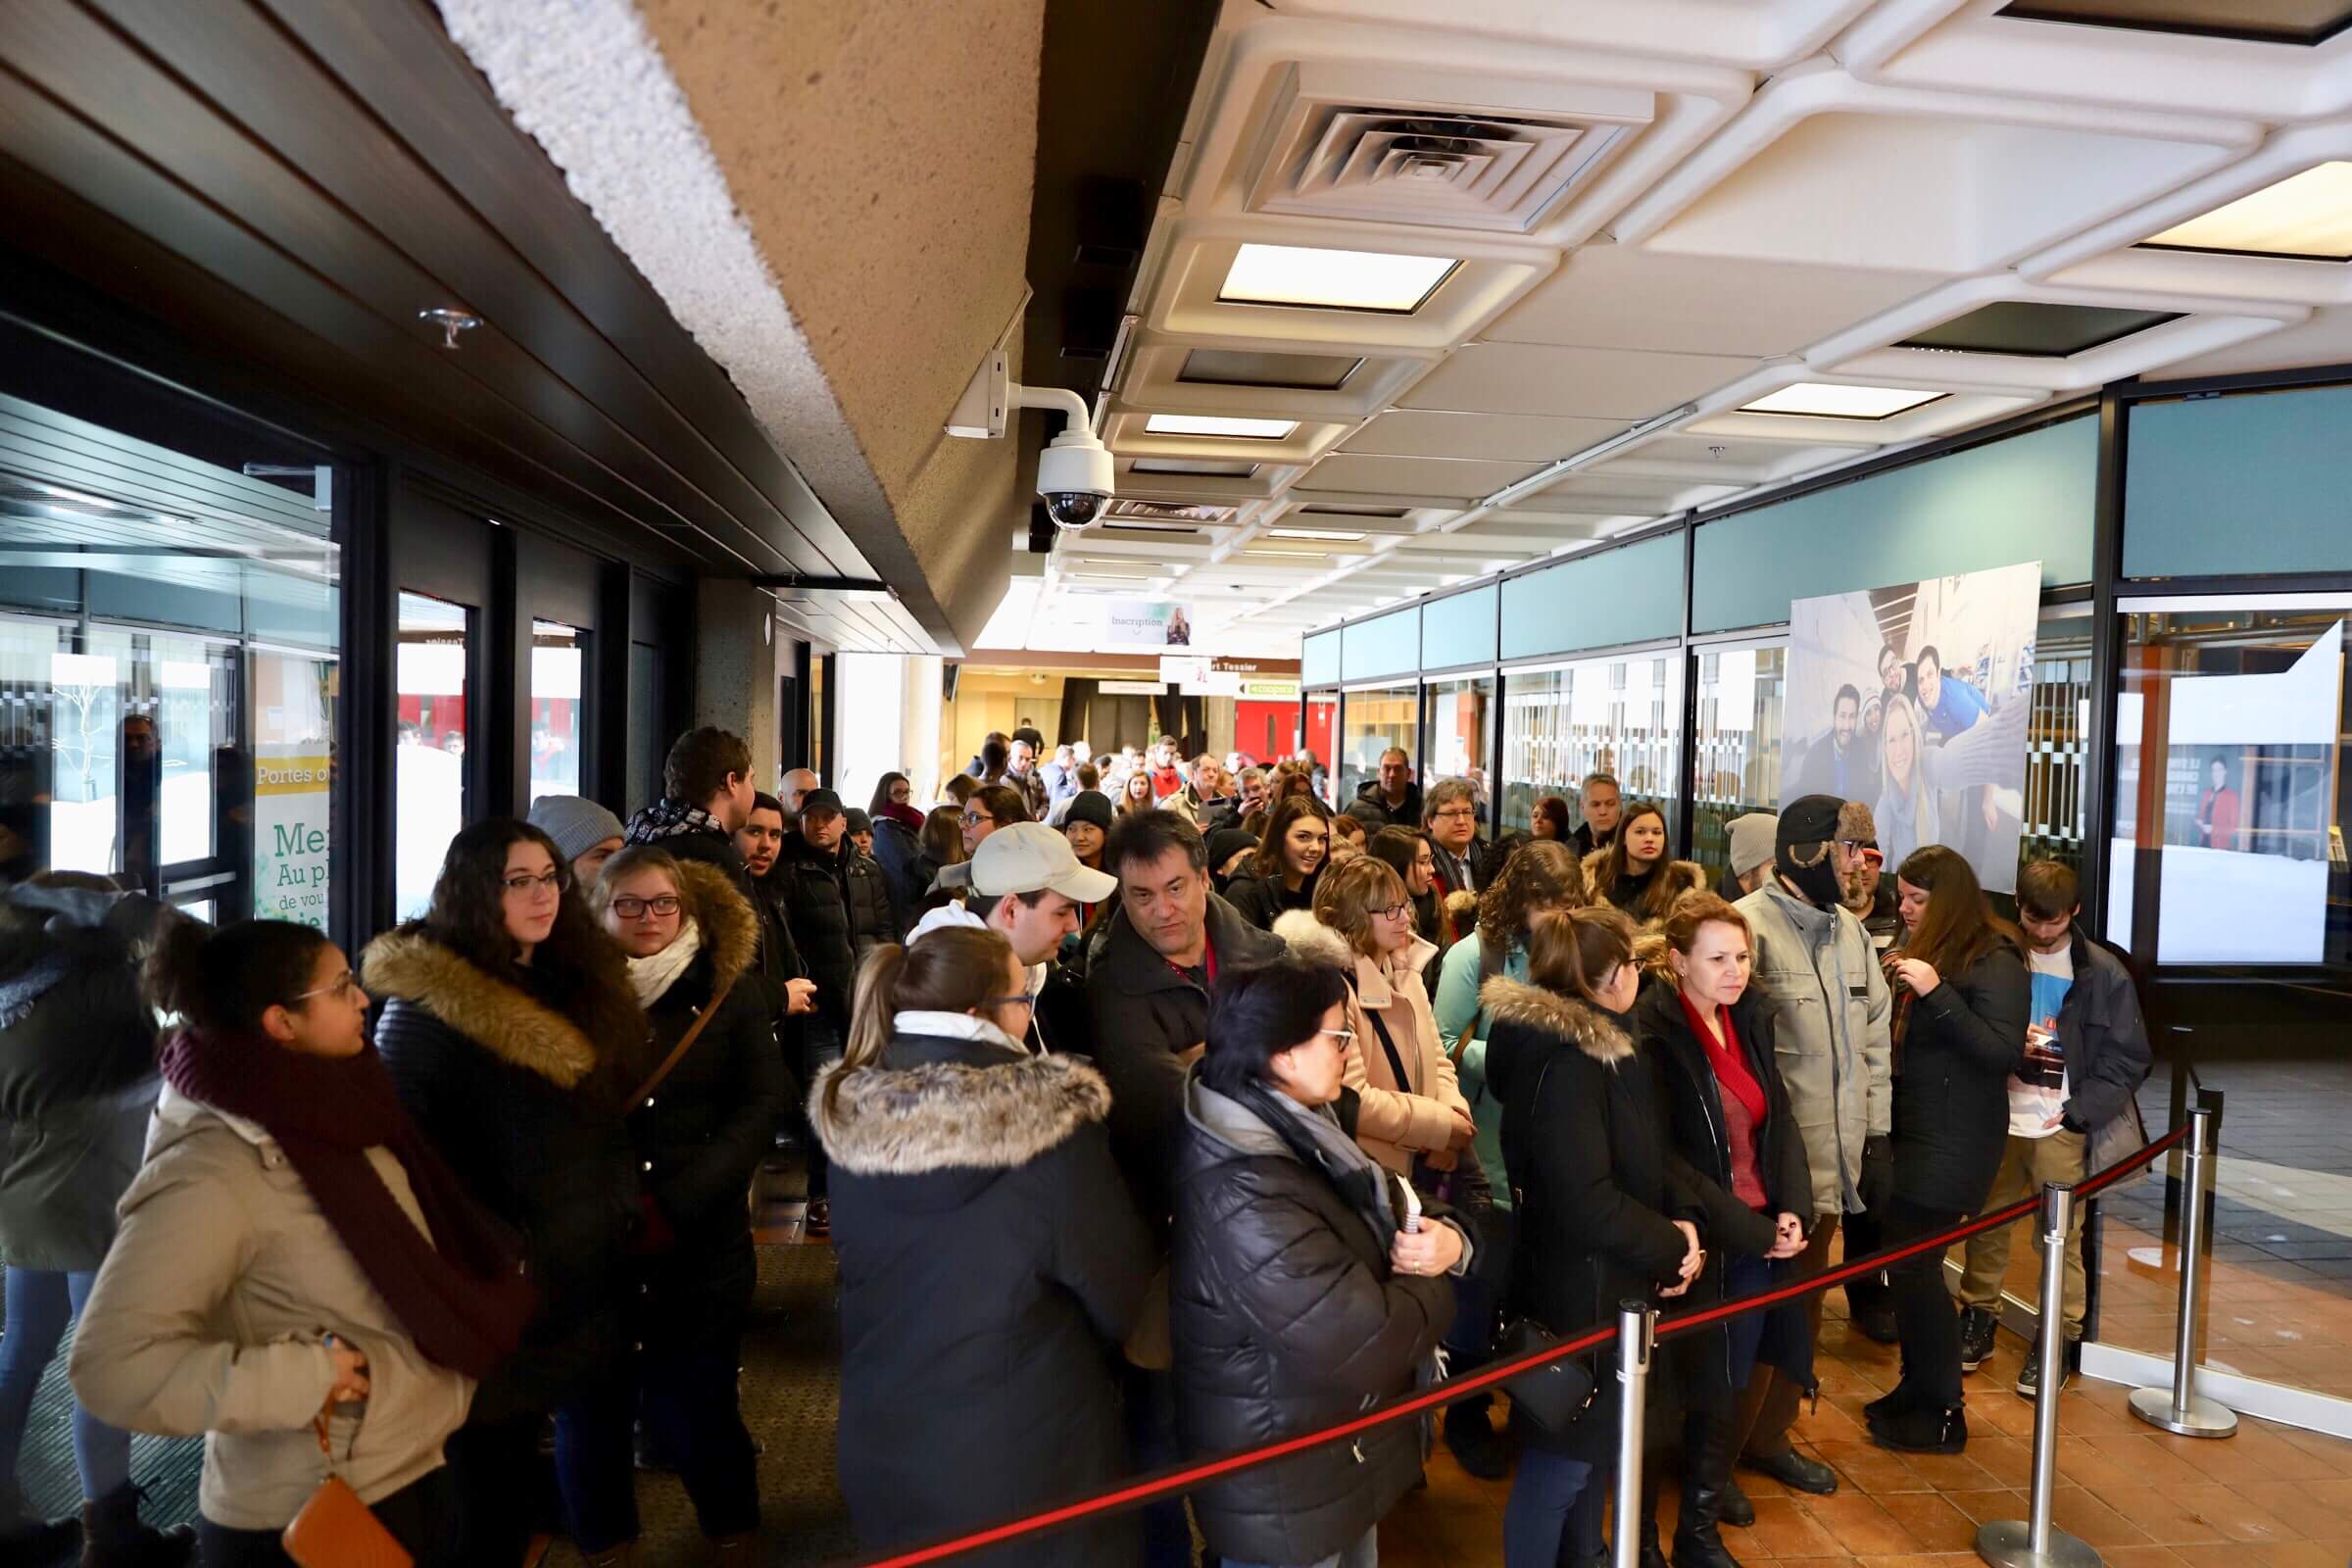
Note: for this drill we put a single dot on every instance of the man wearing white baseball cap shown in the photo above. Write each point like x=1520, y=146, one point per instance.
x=1026, y=884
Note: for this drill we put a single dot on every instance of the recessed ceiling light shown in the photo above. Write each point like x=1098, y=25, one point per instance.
x=1207, y=467
x=1220, y=425
x=1289, y=554
x=1337, y=535
x=2306, y=217
x=1822, y=400
x=1333, y=281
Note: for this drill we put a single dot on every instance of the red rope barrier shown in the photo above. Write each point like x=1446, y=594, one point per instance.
x=1183, y=1477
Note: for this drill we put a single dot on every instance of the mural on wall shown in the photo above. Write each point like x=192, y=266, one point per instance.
x=1914, y=699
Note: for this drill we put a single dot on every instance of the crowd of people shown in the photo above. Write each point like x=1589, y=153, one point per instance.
x=1152, y=1107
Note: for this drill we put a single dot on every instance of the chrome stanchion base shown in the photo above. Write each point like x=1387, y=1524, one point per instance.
x=2205, y=1418
x=2010, y=1544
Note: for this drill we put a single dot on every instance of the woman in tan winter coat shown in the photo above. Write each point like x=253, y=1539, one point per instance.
x=1409, y=1103
x=298, y=1271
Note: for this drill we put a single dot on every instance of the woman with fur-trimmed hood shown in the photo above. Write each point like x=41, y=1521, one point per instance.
x=699, y=1132
x=511, y=1035
x=1636, y=873
x=992, y=1263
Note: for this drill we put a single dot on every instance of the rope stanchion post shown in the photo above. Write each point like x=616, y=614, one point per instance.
x=2036, y=1543
x=2180, y=1409
x=1637, y=1336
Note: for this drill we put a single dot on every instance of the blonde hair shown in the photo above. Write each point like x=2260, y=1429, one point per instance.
x=1347, y=894
x=956, y=969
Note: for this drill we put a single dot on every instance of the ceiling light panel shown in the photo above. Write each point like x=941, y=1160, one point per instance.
x=1291, y=372
x=1340, y=535
x=2307, y=217
x=1225, y=425
x=2293, y=21
x=1334, y=279
x=1824, y=399
x=2035, y=330
x=1194, y=466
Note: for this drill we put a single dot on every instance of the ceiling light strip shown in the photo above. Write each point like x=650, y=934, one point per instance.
x=1593, y=454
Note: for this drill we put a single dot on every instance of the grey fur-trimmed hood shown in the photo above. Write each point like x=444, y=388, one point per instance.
x=954, y=1115
x=1313, y=941
x=1508, y=1001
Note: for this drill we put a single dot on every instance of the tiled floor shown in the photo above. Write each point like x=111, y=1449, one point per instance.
x=2270, y=1498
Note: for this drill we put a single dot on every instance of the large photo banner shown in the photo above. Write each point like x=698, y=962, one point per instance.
x=1914, y=699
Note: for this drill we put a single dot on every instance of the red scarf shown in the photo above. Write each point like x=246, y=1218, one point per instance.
x=461, y=1294
x=1726, y=1059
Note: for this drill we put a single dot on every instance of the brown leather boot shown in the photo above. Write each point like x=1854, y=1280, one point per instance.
x=112, y=1535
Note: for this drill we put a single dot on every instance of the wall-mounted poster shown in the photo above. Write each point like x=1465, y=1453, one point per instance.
x=1914, y=699
x=1147, y=623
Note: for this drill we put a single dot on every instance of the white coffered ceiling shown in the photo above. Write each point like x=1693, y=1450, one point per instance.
x=1645, y=216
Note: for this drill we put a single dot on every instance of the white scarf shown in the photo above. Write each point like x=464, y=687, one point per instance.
x=955, y=1026
x=651, y=976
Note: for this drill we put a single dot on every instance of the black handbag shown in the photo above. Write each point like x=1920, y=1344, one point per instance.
x=1553, y=1396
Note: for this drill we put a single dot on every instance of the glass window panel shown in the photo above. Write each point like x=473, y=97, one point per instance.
x=429, y=758
x=1458, y=716
x=1371, y=722
x=139, y=728
x=2231, y=794
x=1621, y=716
x=1736, y=751
x=558, y=663
x=1323, y=730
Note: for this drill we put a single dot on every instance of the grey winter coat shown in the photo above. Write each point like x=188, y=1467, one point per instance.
x=209, y=1318
x=1830, y=1034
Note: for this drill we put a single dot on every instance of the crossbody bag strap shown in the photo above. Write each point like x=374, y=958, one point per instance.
x=685, y=1043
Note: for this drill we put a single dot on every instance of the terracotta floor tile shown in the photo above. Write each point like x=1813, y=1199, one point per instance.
x=1985, y=1507
x=2177, y=1515
x=2088, y=1519
x=1859, y=1525
x=2310, y=1508
x=2331, y=1553
x=2147, y=1462
x=1871, y=1469
x=1784, y=1530
x=1932, y=1520
x=2142, y=1557
x=1952, y=1472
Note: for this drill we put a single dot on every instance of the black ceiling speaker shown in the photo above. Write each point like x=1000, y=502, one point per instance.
x=1113, y=220
x=1090, y=323
x=1041, y=529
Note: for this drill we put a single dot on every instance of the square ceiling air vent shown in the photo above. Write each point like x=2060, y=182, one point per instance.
x=1398, y=147
x=1166, y=512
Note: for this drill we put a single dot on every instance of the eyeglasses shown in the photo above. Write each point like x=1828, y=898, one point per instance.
x=1022, y=1000
x=974, y=818
x=1343, y=1036
x=1395, y=911
x=899, y=792
x=340, y=987
x=635, y=908
x=528, y=885
x=1457, y=814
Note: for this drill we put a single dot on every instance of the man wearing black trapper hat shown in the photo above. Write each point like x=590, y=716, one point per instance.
x=1813, y=959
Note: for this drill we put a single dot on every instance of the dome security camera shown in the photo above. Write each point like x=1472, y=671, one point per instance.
x=1074, y=474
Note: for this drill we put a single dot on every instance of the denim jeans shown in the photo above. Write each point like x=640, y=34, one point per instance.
x=1470, y=1341
x=1150, y=1410
x=40, y=1303
x=1542, y=1495
x=1366, y=1553
x=688, y=1397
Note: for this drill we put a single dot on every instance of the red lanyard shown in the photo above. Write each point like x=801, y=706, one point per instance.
x=1208, y=961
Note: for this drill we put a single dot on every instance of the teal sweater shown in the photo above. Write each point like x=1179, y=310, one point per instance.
x=1457, y=1012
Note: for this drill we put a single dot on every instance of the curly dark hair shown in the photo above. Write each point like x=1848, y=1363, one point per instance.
x=579, y=970
x=1543, y=874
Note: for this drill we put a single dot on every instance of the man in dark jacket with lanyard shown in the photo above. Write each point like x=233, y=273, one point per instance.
x=814, y=868
x=705, y=796
x=2072, y=1109
x=1148, y=981
x=792, y=994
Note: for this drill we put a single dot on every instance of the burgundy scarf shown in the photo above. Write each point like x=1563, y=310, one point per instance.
x=462, y=1296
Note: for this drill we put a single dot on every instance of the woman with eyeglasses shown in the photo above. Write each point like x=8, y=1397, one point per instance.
x=991, y=1262
x=1282, y=873
x=989, y=807
x=893, y=797
x=1307, y=1281
x=699, y=1134
x=298, y=1269
x=512, y=1037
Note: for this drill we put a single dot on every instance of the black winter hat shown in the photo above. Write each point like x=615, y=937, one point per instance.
x=1089, y=806
x=1227, y=842
x=1807, y=819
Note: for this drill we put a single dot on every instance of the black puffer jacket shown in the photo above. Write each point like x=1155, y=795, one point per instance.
x=1263, y=900
x=1284, y=1318
x=1951, y=1082
x=898, y=851
x=966, y=1172
x=871, y=922
x=701, y=1134
x=1695, y=1122
x=77, y=1077
x=1596, y=1183
x=507, y=1087
x=1376, y=814
x=814, y=890
x=1147, y=1013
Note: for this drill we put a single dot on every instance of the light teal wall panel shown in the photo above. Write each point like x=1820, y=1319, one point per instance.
x=1459, y=630
x=2256, y=482
x=1319, y=658
x=2028, y=498
x=1386, y=645
x=1626, y=595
